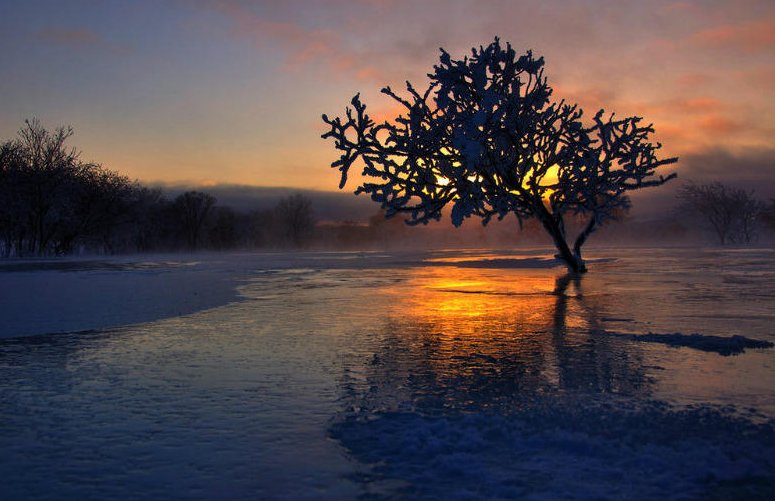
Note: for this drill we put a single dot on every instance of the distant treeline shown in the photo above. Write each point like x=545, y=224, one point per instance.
x=54, y=203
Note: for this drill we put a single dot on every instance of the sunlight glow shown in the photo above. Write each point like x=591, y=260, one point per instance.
x=475, y=301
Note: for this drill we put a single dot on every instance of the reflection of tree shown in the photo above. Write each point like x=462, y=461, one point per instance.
x=586, y=360
x=542, y=343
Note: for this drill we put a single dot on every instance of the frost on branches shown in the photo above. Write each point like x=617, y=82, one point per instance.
x=486, y=138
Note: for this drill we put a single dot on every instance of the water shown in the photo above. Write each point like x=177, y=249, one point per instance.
x=447, y=374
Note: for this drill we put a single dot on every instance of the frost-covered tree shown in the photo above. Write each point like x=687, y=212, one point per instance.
x=486, y=138
x=50, y=200
x=732, y=214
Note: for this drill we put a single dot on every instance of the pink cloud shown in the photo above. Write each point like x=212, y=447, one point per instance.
x=304, y=46
x=72, y=38
x=692, y=79
x=698, y=105
x=759, y=77
x=682, y=7
x=753, y=36
x=718, y=125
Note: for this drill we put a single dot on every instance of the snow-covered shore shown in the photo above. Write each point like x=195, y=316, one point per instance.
x=70, y=295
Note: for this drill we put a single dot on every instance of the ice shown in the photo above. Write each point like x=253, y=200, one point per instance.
x=442, y=374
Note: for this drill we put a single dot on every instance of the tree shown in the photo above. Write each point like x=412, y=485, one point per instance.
x=768, y=215
x=485, y=138
x=12, y=203
x=44, y=179
x=732, y=214
x=223, y=233
x=293, y=215
x=149, y=223
x=50, y=199
x=192, y=209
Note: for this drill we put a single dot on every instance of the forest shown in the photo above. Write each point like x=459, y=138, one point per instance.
x=55, y=203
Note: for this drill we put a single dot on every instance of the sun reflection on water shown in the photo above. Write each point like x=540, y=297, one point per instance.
x=482, y=302
x=470, y=337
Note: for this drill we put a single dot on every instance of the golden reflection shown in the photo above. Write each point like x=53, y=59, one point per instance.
x=481, y=302
x=460, y=332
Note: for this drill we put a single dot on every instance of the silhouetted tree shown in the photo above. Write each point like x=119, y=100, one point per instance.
x=192, y=209
x=51, y=200
x=294, y=220
x=485, y=138
x=99, y=205
x=731, y=213
x=223, y=232
x=259, y=228
x=12, y=203
x=49, y=169
x=150, y=222
x=768, y=215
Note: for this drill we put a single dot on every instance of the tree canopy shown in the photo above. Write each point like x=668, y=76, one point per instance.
x=486, y=138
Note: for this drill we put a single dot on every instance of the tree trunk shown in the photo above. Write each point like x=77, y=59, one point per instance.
x=582, y=237
x=554, y=228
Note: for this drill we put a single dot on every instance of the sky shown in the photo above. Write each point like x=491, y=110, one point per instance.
x=206, y=92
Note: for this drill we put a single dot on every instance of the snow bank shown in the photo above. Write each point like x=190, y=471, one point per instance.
x=563, y=451
x=725, y=346
x=56, y=296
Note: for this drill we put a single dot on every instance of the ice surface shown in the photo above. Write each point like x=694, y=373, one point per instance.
x=339, y=375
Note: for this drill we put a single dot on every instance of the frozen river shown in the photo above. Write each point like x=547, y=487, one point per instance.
x=471, y=374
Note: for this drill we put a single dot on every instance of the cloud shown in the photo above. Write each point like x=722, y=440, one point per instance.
x=79, y=39
x=692, y=80
x=74, y=38
x=759, y=77
x=698, y=104
x=304, y=46
x=717, y=125
x=754, y=36
x=683, y=7
x=750, y=169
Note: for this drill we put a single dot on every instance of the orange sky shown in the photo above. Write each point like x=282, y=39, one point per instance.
x=231, y=91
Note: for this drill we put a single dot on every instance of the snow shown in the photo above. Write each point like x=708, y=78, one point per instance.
x=559, y=451
x=55, y=296
x=733, y=345
x=447, y=374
